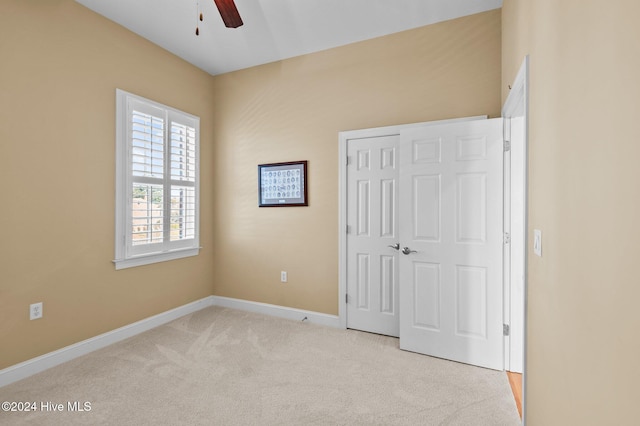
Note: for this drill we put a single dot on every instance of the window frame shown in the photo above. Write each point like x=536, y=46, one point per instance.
x=127, y=254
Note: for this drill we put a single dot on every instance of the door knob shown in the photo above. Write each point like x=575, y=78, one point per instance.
x=396, y=246
x=407, y=250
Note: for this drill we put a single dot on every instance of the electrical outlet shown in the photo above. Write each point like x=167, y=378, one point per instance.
x=35, y=311
x=283, y=276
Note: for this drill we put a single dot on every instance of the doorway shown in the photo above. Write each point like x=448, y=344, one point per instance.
x=516, y=114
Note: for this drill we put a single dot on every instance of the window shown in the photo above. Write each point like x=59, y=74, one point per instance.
x=157, y=174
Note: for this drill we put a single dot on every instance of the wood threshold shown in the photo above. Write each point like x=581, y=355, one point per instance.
x=515, y=380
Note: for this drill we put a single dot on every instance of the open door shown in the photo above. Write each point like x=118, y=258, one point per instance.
x=451, y=242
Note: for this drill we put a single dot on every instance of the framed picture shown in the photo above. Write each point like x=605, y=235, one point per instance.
x=282, y=184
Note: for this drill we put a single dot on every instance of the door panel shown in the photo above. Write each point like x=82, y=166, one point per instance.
x=426, y=294
x=426, y=195
x=450, y=207
x=372, y=210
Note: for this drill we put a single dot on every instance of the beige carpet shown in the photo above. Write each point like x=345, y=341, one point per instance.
x=225, y=367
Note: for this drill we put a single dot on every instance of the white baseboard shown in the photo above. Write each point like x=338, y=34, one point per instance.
x=51, y=359
x=36, y=365
x=278, y=311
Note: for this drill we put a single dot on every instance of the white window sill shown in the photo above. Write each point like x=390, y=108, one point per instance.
x=155, y=258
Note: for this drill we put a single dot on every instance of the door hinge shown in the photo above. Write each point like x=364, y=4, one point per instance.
x=507, y=238
x=348, y=229
x=348, y=160
x=346, y=298
x=505, y=329
x=506, y=133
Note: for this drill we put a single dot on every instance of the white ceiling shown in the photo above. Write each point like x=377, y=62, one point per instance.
x=274, y=29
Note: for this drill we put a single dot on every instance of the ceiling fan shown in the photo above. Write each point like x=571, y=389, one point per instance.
x=229, y=13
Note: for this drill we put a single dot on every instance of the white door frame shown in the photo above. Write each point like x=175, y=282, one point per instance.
x=517, y=105
x=344, y=138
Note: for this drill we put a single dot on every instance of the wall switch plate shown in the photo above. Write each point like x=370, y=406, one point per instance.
x=283, y=276
x=537, y=242
x=35, y=311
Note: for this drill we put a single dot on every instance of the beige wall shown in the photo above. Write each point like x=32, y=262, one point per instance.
x=584, y=195
x=59, y=69
x=293, y=110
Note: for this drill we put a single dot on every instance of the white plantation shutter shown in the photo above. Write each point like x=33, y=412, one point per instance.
x=147, y=140
x=183, y=178
x=156, y=182
x=183, y=152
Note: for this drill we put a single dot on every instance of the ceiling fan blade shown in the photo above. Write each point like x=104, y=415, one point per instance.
x=229, y=13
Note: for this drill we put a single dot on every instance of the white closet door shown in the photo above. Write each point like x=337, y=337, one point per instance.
x=451, y=211
x=372, y=274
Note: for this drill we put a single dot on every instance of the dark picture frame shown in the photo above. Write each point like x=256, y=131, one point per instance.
x=282, y=184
